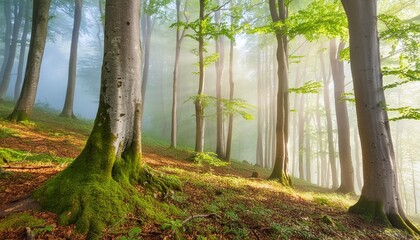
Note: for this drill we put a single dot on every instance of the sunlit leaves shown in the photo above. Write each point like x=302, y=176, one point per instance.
x=235, y=106
x=308, y=87
x=404, y=38
x=406, y=113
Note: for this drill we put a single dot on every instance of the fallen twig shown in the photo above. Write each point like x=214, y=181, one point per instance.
x=200, y=216
x=28, y=167
x=255, y=234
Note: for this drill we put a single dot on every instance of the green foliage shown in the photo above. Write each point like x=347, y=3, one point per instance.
x=209, y=158
x=235, y=106
x=284, y=232
x=349, y=97
x=20, y=221
x=308, y=87
x=404, y=38
x=406, y=113
x=133, y=234
x=7, y=132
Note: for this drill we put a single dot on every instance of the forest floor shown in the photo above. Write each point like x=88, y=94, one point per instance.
x=216, y=202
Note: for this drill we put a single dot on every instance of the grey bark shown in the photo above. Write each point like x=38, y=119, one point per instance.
x=260, y=112
x=231, y=94
x=380, y=195
x=7, y=9
x=22, y=53
x=343, y=126
x=19, y=9
x=220, y=50
x=147, y=28
x=71, y=84
x=199, y=108
x=25, y=103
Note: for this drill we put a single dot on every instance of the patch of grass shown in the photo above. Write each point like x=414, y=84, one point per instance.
x=283, y=232
x=7, y=132
x=12, y=155
x=209, y=158
x=20, y=221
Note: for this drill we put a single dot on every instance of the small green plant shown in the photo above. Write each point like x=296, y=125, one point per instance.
x=7, y=132
x=284, y=232
x=208, y=157
x=231, y=216
x=133, y=234
x=42, y=230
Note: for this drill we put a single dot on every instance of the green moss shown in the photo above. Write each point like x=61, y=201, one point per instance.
x=18, y=116
x=20, y=221
x=370, y=209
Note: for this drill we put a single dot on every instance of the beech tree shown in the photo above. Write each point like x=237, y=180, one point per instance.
x=71, y=83
x=279, y=14
x=380, y=197
x=25, y=103
x=96, y=189
x=19, y=9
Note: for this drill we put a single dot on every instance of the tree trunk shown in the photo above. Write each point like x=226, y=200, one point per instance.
x=301, y=135
x=282, y=133
x=25, y=103
x=231, y=93
x=18, y=15
x=343, y=126
x=71, y=84
x=7, y=9
x=331, y=150
x=260, y=112
x=22, y=54
x=199, y=107
x=220, y=50
x=308, y=176
x=357, y=159
x=96, y=189
x=147, y=28
x=380, y=196
x=179, y=37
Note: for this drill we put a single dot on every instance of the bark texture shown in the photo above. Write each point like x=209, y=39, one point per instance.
x=7, y=9
x=25, y=103
x=71, y=83
x=101, y=176
x=231, y=93
x=280, y=172
x=380, y=197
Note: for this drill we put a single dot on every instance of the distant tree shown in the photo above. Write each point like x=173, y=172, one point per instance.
x=343, y=126
x=96, y=189
x=19, y=9
x=380, y=197
x=180, y=34
x=71, y=83
x=22, y=54
x=7, y=10
x=25, y=103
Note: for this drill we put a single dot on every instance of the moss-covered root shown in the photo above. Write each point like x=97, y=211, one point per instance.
x=375, y=211
x=155, y=180
x=18, y=116
x=88, y=200
x=282, y=178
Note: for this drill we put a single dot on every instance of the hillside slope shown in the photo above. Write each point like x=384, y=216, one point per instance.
x=217, y=202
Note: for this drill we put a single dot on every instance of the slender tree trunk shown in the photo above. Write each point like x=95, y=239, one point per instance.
x=380, y=196
x=260, y=112
x=414, y=186
x=25, y=103
x=331, y=150
x=301, y=134
x=282, y=132
x=7, y=9
x=22, y=54
x=231, y=94
x=179, y=37
x=308, y=176
x=18, y=15
x=220, y=50
x=343, y=126
x=102, y=175
x=321, y=156
x=147, y=28
x=199, y=107
x=71, y=84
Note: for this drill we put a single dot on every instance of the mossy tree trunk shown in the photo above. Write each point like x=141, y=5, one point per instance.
x=343, y=126
x=96, y=189
x=25, y=103
x=380, y=197
x=279, y=13
x=71, y=83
